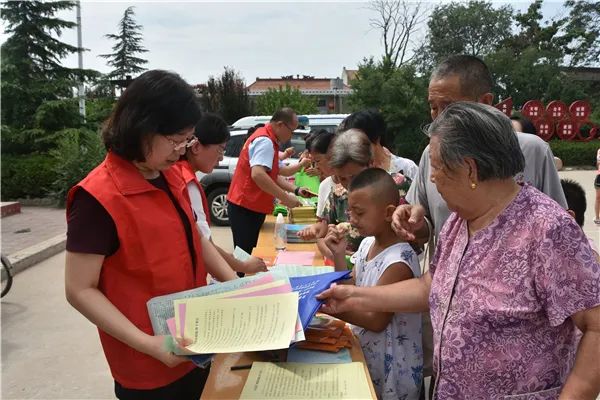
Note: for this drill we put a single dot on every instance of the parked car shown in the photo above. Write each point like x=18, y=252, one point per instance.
x=216, y=184
x=313, y=121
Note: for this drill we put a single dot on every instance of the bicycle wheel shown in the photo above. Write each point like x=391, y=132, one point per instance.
x=7, y=278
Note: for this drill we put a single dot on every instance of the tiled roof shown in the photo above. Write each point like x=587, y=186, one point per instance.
x=311, y=85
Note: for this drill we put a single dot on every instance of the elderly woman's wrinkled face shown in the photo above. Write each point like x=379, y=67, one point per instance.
x=453, y=185
x=346, y=173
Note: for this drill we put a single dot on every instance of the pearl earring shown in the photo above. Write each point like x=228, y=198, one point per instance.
x=473, y=185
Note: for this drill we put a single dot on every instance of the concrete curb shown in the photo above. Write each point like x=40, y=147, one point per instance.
x=32, y=255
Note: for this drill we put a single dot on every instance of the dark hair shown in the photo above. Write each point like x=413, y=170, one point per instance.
x=475, y=77
x=369, y=121
x=212, y=129
x=526, y=124
x=320, y=141
x=380, y=182
x=155, y=103
x=252, y=130
x=284, y=114
x=481, y=132
x=575, y=196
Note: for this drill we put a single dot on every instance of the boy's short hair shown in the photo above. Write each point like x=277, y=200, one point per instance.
x=575, y=196
x=380, y=182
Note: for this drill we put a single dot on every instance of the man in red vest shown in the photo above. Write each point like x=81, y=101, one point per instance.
x=256, y=181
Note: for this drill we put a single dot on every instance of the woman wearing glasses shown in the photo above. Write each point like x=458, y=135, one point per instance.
x=131, y=237
x=204, y=153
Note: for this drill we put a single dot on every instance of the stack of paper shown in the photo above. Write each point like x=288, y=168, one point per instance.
x=326, y=333
x=295, y=258
x=303, y=215
x=306, y=381
x=265, y=312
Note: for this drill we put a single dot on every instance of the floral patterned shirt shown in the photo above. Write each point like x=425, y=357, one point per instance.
x=501, y=300
x=395, y=355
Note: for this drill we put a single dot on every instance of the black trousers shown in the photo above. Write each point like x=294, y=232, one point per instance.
x=188, y=387
x=245, y=226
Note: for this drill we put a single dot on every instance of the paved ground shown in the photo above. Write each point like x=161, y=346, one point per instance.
x=31, y=226
x=49, y=351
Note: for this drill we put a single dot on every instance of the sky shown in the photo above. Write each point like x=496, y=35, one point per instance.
x=257, y=39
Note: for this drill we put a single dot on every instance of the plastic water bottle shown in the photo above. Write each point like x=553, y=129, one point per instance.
x=280, y=234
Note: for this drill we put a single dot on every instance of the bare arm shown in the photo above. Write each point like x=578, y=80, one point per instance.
x=584, y=380
x=377, y=321
x=266, y=184
x=411, y=295
x=285, y=184
x=215, y=264
x=82, y=272
x=253, y=265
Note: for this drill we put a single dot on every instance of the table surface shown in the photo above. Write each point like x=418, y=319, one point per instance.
x=223, y=383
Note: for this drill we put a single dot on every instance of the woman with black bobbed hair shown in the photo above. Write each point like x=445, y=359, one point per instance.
x=131, y=237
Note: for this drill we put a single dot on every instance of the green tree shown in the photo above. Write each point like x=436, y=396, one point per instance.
x=474, y=28
x=529, y=64
x=128, y=43
x=225, y=95
x=401, y=96
x=31, y=59
x=287, y=96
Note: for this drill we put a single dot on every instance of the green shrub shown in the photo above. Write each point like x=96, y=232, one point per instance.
x=575, y=154
x=27, y=176
x=77, y=153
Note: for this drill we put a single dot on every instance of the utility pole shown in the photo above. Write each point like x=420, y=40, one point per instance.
x=81, y=90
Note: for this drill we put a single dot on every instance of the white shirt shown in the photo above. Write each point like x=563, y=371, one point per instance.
x=395, y=355
x=324, y=189
x=197, y=207
x=406, y=165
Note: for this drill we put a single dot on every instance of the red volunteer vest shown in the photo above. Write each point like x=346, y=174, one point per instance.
x=153, y=259
x=188, y=176
x=243, y=191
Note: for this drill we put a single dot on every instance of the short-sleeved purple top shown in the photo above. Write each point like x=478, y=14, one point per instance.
x=501, y=301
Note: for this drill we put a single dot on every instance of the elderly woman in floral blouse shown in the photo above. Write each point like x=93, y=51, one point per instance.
x=512, y=279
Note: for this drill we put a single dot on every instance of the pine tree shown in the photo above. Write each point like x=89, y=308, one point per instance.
x=31, y=59
x=129, y=42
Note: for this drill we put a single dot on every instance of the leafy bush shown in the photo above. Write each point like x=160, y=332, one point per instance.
x=575, y=154
x=27, y=176
x=77, y=153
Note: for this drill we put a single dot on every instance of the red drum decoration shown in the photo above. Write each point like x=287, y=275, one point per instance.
x=580, y=110
x=533, y=109
x=544, y=128
x=505, y=106
x=556, y=110
x=567, y=129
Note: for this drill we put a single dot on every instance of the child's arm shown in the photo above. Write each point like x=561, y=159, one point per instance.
x=315, y=231
x=289, y=170
x=372, y=320
x=336, y=243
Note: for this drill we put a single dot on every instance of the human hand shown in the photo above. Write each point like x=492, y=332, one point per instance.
x=305, y=162
x=335, y=240
x=307, y=233
x=338, y=299
x=407, y=220
x=290, y=200
x=162, y=347
x=254, y=265
x=305, y=192
x=287, y=153
x=312, y=171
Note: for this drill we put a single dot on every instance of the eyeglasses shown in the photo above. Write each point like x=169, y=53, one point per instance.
x=221, y=149
x=182, y=145
x=287, y=126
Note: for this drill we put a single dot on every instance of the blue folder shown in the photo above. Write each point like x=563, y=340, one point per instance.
x=308, y=287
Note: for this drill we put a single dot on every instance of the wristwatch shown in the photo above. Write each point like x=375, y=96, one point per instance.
x=297, y=190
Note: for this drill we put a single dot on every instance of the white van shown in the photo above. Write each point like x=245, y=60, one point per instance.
x=319, y=121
